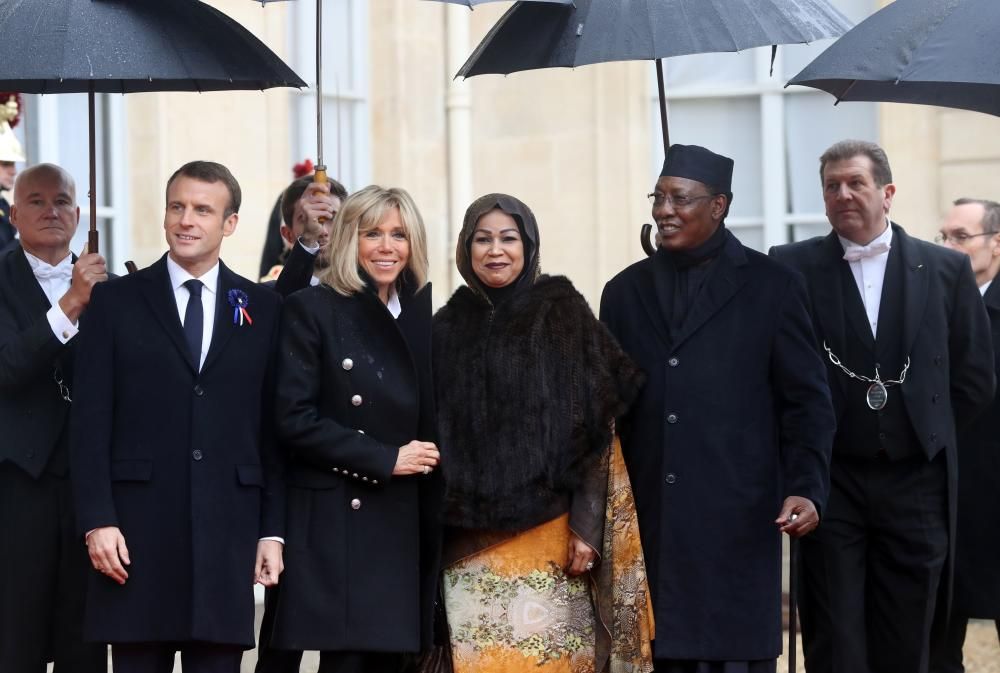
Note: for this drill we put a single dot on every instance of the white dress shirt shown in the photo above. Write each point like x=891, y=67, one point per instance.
x=210, y=280
x=869, y=274
x=312, y=250
x=55, y=282
x=984, y=287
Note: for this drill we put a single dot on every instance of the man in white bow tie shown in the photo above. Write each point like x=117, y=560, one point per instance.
x=43, y=292
x=910, y=361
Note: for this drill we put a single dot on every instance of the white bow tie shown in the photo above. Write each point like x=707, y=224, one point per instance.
x=61, y=271
x=858, y=252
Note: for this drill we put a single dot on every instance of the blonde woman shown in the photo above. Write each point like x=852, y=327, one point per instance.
x=355, y=414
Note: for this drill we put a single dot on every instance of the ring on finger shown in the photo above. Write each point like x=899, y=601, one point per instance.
x=427, y=469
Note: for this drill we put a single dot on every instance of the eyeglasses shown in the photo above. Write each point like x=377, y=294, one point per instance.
x=961, y=238
x=677, y=202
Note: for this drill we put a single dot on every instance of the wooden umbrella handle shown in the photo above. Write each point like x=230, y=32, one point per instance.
x=320, y=176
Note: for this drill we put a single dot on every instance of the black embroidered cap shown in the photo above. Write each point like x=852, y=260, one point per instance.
x=697, y=163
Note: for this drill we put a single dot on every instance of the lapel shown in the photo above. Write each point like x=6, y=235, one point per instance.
x=224, y=327
x=159, y=295
x=828, y=296
x=915, y=281
x=724, y=281
x=26, y=295
x=992, y=300
x=654, y=302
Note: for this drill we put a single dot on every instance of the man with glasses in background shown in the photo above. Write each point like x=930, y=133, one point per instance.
x=972, y=227
x=728, y=444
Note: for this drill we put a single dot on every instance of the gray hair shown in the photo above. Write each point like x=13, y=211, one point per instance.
x=991, y=213
x=848, y=149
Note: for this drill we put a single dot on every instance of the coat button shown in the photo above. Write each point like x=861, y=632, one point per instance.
x=196, y=454
x=347, y=364
x=937, y=359
x=199, y=391
x=671, y=477
x=355, y=504
x=673, y=362
x=671, y=418
x=355, y=475
x=356, y=400
x=934, y=399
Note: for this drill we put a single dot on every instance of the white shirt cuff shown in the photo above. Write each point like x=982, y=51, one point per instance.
x=311, y=249
x=273, y=538
x=62, y=327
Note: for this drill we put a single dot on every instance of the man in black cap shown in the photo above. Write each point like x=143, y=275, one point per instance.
x=910, y=360
x=729, y=443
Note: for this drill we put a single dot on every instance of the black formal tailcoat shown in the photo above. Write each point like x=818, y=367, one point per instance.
x=182, y=461
x=33, y=413
x=946, y=335
x=363, y=547
x=735, y=416
x=977, y=556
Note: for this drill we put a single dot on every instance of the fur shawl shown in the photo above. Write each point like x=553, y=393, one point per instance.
x=526, y=394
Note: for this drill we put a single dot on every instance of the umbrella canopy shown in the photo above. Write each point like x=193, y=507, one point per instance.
x=539, y=35
x=934, y=52
x=126, y=46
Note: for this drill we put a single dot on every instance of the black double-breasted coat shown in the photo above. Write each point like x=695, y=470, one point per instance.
x=362, y=548
x=182, y=461
x=735, y=416
x=977, y=553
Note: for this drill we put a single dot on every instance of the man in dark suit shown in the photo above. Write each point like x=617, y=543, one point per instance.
x=909, y=357
x=43, y=291
x=972, y=227
x=177, y=480
x=729, y=442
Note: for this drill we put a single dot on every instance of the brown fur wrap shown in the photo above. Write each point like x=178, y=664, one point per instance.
x=526, y=392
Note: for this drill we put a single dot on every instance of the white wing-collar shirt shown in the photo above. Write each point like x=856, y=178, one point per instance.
x=869, y=270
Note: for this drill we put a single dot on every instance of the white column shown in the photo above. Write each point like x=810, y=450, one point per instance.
x=459, y=114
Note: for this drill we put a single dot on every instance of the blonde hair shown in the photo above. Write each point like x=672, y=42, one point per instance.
x=362, y=211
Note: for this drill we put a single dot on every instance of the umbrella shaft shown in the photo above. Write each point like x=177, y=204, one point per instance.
x=319, y=82
x=92, y=243
x=663, y=105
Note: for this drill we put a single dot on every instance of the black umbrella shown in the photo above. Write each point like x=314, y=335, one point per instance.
x=128, y=46
x=536, y=35
x=472, y=3
x=934, y=52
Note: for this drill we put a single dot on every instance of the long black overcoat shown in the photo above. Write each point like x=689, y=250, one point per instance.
x=977, y=554
x=182, y=461
x=735, y=416
x=363, y=547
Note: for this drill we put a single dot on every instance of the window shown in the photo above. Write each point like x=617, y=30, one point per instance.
x=345, y=88
x=731, y=104
x=55, y=129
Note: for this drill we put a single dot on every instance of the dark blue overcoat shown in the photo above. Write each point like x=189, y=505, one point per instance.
x=735, y=416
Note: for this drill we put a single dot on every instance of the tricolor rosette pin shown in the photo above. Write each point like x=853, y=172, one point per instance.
x=239, y=301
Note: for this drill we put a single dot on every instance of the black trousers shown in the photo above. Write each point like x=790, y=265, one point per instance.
x=287, y=661
x=43, y=572
x=872, y=570
x=946, y=656
x=159, y=657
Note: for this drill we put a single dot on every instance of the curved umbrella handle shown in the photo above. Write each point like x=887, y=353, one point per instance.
x=644, y=241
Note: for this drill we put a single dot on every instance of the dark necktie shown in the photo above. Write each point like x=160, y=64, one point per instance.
x=194, y=320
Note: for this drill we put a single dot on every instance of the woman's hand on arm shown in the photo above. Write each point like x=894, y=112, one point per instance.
x=581, y=556
x=416, y=458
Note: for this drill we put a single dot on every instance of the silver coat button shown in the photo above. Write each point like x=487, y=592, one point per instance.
x=355, y=504
x=347, y=364
x=356, y=400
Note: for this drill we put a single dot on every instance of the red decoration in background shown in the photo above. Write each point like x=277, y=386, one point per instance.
x=299, y=170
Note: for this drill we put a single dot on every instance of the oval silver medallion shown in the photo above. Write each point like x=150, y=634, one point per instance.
x=877, y=396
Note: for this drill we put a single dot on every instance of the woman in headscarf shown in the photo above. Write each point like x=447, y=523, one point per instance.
x=540, y=523
x=354, y=410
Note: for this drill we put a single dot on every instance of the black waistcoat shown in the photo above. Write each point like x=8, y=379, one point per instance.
x=863, y=432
